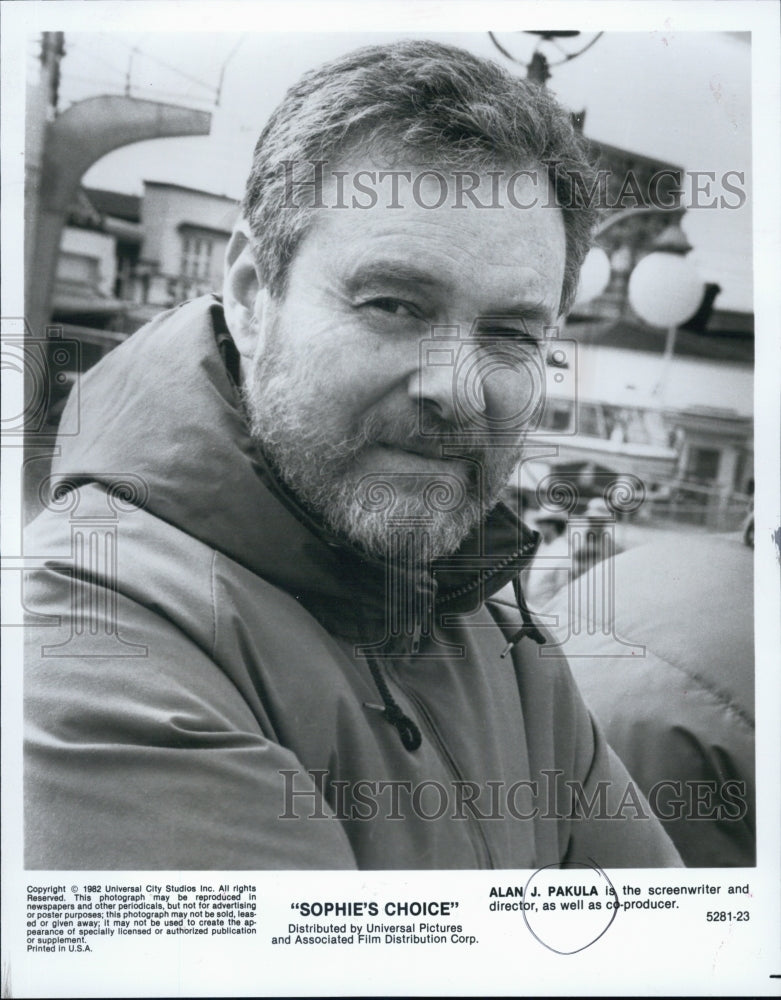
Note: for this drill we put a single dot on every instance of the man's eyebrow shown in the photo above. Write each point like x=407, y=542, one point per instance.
x=395, y=271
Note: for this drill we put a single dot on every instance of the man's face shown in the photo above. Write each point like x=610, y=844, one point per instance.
x=371, y=419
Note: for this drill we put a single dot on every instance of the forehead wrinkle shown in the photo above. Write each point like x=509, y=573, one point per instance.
x=511, y=260
x=513, y=289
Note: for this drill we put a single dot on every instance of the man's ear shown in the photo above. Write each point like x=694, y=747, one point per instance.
x=242, y=292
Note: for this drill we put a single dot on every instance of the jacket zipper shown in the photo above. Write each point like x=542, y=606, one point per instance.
x=487, y=575
x=480, y=842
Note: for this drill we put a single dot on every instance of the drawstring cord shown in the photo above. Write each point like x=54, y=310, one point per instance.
x=408, y=730
x=528, y=627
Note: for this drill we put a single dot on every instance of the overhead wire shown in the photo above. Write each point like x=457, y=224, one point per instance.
x=124, y=78
x=169, y=66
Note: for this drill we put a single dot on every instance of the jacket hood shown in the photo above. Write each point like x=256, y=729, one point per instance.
x=163, y=408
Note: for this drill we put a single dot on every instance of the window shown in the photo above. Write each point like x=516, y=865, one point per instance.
x=197, y=252
x=703, y=465
x=557, y=415
x=590, y=422
x=78, y=269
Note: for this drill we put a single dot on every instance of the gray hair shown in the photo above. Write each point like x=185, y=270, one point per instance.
x=420, y=97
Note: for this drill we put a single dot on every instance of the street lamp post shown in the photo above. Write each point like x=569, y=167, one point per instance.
x=665, y=291
x=664, y=288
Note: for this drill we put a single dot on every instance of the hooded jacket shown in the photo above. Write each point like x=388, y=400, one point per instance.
x=215, y=682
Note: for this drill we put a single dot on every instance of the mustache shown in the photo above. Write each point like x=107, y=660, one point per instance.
x=425, y=433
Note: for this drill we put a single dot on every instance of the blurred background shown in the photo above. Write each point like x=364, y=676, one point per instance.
x=138, y=147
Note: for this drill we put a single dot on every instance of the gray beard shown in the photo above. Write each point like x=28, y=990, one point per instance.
x=321, y=468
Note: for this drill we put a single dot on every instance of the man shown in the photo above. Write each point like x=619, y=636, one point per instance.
x=304, y=668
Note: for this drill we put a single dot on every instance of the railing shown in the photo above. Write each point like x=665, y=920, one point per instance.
x=692, y=503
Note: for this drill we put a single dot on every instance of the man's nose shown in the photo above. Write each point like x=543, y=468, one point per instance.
x=438, y=384
x=469, y=384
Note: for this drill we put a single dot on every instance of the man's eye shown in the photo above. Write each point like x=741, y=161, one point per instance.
x=517, y=329
x=394, y=307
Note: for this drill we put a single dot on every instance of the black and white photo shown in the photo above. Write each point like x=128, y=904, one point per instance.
x=392, y=447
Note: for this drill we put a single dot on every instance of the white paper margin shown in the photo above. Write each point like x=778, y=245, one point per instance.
x=642, y=956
